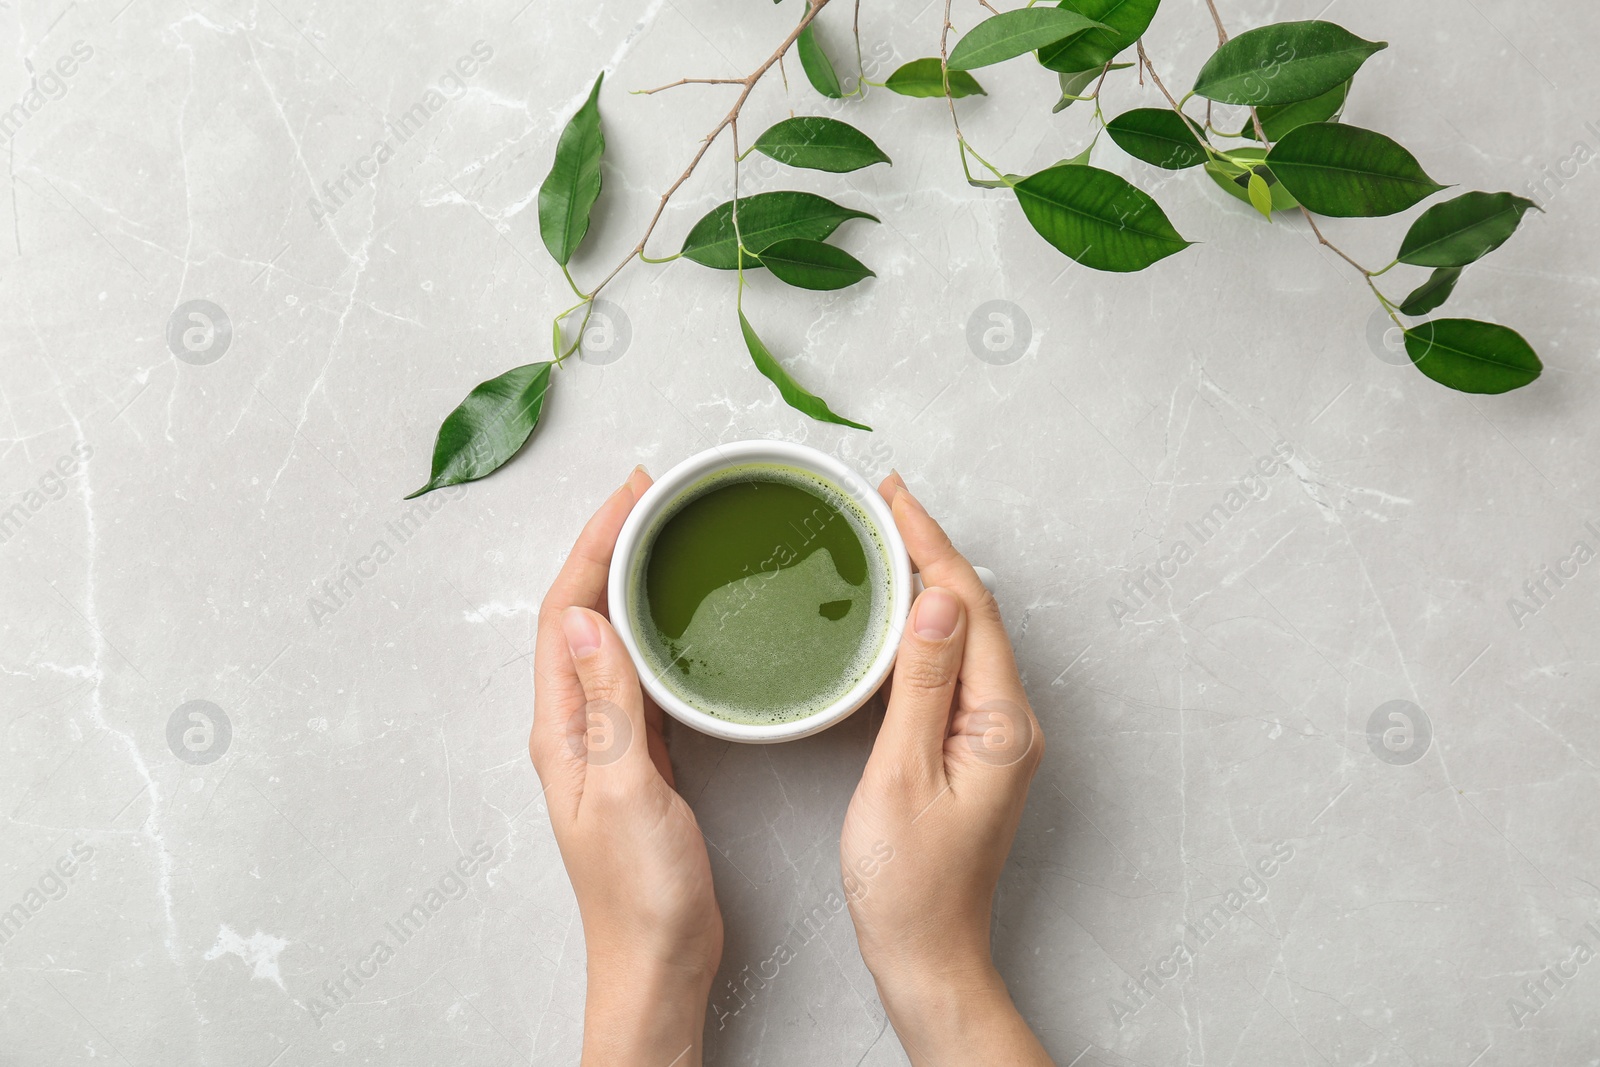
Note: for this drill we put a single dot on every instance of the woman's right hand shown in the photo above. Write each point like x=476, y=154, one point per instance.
x=930, y=825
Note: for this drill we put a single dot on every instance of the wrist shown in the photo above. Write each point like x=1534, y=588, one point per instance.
x=637, y=1009
x=957, y=1015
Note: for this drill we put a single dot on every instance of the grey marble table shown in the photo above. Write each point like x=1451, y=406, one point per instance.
x=261, y=716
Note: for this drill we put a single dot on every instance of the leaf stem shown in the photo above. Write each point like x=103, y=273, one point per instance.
x=579, y=293
x=587, y=303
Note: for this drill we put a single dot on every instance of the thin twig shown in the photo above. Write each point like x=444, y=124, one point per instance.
x=688, y=81
x=855, y=31
x=1222, y=33
x=749, y=83
x=1330, y=245
x=944, y=81
x=1145, y=60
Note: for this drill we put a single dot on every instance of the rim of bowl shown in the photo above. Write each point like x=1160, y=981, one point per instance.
x=720, y=457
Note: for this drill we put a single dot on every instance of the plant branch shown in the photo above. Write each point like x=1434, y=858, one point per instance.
x=1222, y=38
x=950, y=101
x=1222, y=32
x=688, y=81
x=1330, y=245
x=1145, y=61
x=749, y=82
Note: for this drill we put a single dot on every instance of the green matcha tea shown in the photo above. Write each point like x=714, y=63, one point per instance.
x=761, y=595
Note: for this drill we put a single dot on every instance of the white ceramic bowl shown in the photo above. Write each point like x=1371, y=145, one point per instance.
x=668, y=488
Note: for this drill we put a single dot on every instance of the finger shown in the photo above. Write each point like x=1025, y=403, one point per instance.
x=917, y=718
x=581, y=583
x=610, y=735
x=582, y=579
x=990, y=668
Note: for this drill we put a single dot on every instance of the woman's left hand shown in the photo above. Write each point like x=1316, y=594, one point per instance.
x=631, y=844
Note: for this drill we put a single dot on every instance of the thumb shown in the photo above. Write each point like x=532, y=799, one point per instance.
x=612, y=729
x=925, y=672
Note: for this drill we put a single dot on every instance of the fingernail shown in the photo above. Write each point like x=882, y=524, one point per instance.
x=627, y=483
x=897, y=485
x=583, y=636
x=937, y=612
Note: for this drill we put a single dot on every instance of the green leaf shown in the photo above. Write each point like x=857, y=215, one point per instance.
x=569, y=192
x=1158, y=136
x=920, y=78
x=1431, y=293
x=1281, y=118
x=788, y=388
x=1347, y=172
x=1283, y=63
x=1073, y=84
x=814, y=61
x=1471, y=356
x=1235, y=181
x=489, y=426
x=1011, y=33
x=809, y=264
x=1124, y=21
x=1097, y=218
x=819, y=144
x=1260, y=195
x=1463, y=230
x=764, y=219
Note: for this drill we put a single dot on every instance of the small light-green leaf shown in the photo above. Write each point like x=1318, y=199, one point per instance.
x=814, y=61
x=489, y=426
x=1281, y=118
x=1260, y=195
x=920, y=78
x=1011, y=33
x=764, y=219
x=1283, y=63
x=1235, y=181
x=793, y=395
x=1347, y=172
x=1124, y=21
x=573, y=185
x=1463, y=230
x=1158, y=136
x=1098, y=218
x=1471, y=356
x=819, y=143
x=1073, y=84
x=809, y=264
x=1431, y=293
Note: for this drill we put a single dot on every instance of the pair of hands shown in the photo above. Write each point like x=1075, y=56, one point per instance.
x=924, y=839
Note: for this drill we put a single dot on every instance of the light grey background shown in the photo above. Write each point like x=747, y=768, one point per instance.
x=373, y=745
